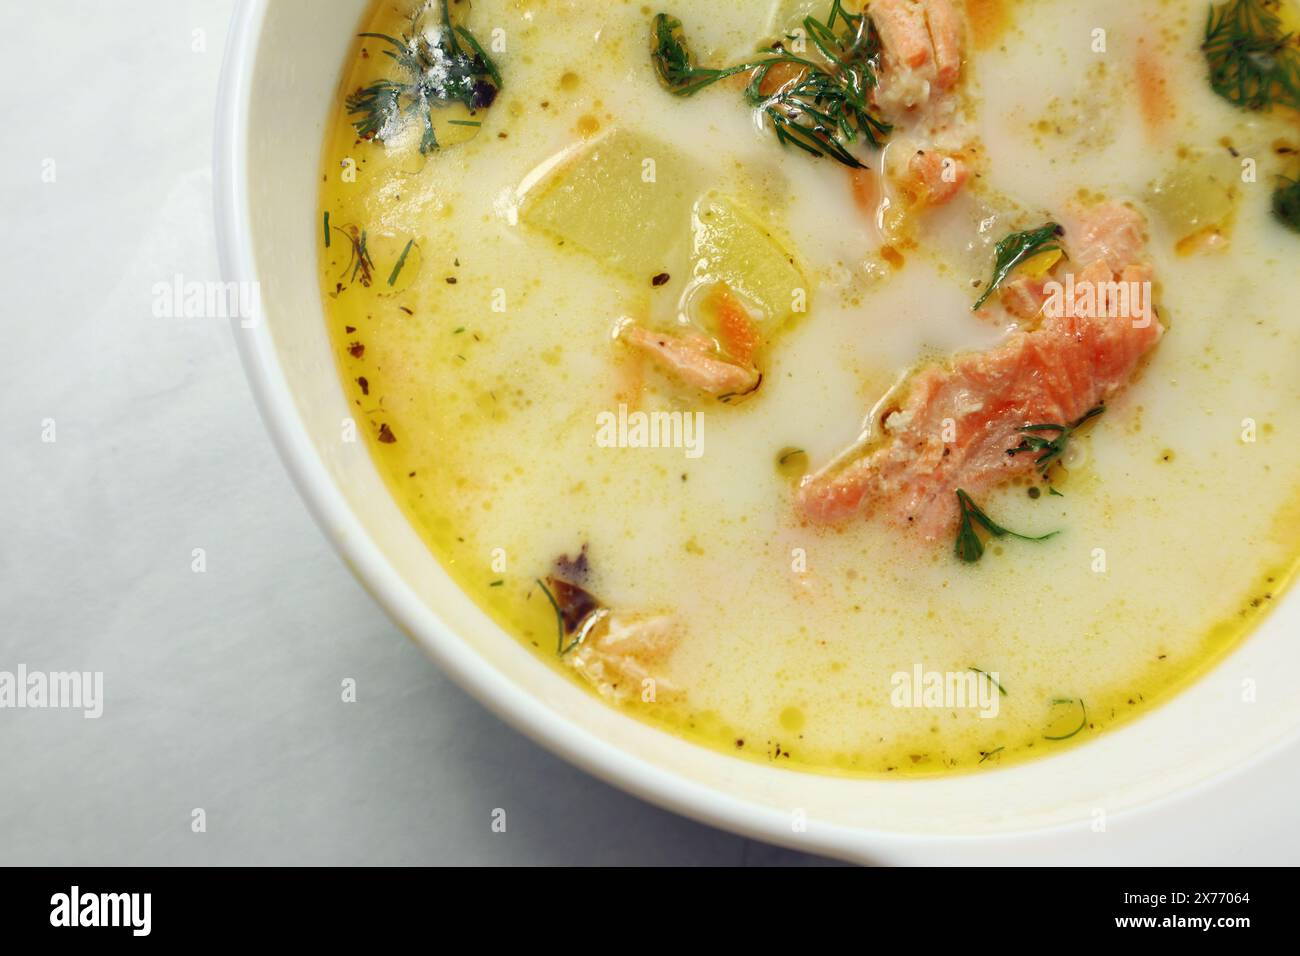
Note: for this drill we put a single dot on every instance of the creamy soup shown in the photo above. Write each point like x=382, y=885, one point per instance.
x=889, y=392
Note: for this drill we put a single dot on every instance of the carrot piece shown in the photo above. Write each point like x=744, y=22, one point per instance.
x=866, y=191
x=1154, y=99
x=737, y=331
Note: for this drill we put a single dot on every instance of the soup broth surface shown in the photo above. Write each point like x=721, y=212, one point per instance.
x=478, y=341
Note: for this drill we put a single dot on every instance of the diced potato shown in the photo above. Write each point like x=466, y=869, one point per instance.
x=1196, y=195
x=732, y=247
x=624, y=199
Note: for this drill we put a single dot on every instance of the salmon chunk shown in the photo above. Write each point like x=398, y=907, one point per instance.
x=903, y=32
x=935, y=178
x=626, y=654
x=1024, y=297
x=693, y=359
x=1113, y=233
x=956, y=421
x=922, y=42
x=946, y=37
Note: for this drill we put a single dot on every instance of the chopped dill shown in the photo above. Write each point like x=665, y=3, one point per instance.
x=991, y=753
x=580, y=631
x=1002, y=690
x=1286, y=203
x=969, y=547
x=401, y=261
x=1015, y=249
x=327, y=228
x=821, y=107
x=1252, y=63
x=436, y=71
x=359, y=261
x=559, y=617
x=1051, y=449
x=1083, y=721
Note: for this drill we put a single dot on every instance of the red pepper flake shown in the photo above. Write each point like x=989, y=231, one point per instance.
x=386, y=435
x=451, y=280
x=660, y=279
x=365, y=386
x=357, y=349
x=349, y=329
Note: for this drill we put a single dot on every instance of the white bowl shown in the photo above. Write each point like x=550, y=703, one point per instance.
x=282, y=72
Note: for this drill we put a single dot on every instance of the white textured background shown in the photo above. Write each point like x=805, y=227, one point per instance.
x=222, y=688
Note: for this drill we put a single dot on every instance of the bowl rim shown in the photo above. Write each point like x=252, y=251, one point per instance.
x=469, y=670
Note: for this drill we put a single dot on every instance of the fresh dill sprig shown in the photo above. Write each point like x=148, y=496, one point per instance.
x=1286, y=203
x=969, y=547
x=1051, y=449
x=1083, y=719
x=437, y=70
x=821, y=108
x=1252, y=63
x=1015, y=249
x=672, y=60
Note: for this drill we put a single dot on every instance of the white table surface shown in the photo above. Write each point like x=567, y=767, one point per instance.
x=222, y=688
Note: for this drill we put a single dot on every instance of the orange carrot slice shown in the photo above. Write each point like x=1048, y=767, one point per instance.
x=738, y=333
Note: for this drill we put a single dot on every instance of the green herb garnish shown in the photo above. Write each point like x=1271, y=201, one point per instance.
x=582, y=628
x=401, y=261
x=969, y=547
x=436, y=71
x=1051, y=449
x=822, y=108
x=1286, y=203
x=1253, y=64
x=672, y=61
x=1002, y=690
x=327, y=228
x=1083, y=721
x=359, y=261
x=559, y=616
x=1015, y=249
x=991, y=753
